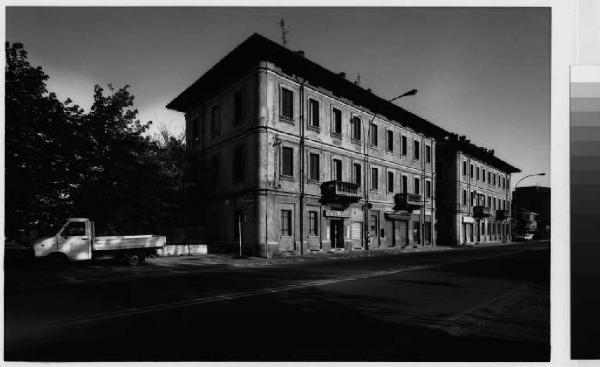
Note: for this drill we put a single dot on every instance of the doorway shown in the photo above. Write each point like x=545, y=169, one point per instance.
x=336, y=234
x=400, y=233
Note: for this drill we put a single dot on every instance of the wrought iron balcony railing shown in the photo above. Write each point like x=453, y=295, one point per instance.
x=405, y=201
x=341, y=191
x=480, y=211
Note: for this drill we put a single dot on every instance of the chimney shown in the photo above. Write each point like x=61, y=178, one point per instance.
x=343, y=75
x=491, y=151
x=300, y=53
x=369, y=90
x=462, y=138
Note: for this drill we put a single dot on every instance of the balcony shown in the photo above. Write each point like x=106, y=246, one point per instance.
x=340, y=192
x=481, y=211
x=407, y=201
x=501, y=214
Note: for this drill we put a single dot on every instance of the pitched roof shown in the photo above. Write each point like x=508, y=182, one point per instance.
x=258, y=48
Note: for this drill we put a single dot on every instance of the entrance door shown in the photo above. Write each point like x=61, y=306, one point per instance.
x=469, y=232
x=416, y=233
x=400, y=233
x=373, y=232
x=337, y=233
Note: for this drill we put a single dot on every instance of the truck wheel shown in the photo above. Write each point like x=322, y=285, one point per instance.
x=134, y=258
x=57, y=259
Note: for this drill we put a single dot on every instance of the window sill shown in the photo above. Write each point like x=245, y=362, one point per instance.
x=287, y=178
x=313, y=181
x=287, y=120
x=336, y=135
x=314, y=128
x=356, y=141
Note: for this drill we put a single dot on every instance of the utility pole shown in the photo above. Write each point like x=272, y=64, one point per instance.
x=284, y=32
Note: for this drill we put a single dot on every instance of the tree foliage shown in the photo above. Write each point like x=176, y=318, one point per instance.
x=62, y=161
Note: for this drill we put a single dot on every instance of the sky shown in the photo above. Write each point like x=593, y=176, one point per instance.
x=480, y=72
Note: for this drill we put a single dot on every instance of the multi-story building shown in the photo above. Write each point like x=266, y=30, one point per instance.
x=295, y=158
x=473, y=193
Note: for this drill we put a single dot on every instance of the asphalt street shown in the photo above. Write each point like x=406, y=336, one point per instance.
x=485, y=304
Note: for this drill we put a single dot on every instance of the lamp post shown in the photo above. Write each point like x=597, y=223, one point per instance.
x=367, y=172
x=514, y=213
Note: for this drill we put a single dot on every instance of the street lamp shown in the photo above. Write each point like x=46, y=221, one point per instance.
x=367, y=172
x=514, y=213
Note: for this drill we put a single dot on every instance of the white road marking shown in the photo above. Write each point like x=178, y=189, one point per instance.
x=237, y=295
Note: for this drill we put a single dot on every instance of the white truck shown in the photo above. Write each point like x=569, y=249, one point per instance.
x=76, y=241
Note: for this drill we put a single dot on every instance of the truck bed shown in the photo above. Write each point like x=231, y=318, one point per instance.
x=108, y=243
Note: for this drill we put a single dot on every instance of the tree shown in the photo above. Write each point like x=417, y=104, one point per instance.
x=101, y=164
x=39, y=172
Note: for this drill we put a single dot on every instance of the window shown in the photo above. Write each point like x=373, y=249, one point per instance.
x=390, y=181
x=464, y=168
x=337, y=121
x=404, y=184
x=489, y=201
x=464, y=198
x=315, y=170
x=427, y=153
x=215, y=123
x=357, y=173
x=74, y=229
x=417, y=185
x=390, y=140
x=472, y=198
x=286, y=222
x=287, y=104
x=313, y=223
x=374, y=178
x=494, y=178
x=238, y=164
x=287, y=162
x=489, y=177
x=417, y=150
x=503, y=183
x=477, y=174
x=483, y=176
x=428, y=189
x=404, y=145
x=471, y=170
x=337, y=169
x=355, y=122
x=313, y=113
x=373, y=135
x=238, y=107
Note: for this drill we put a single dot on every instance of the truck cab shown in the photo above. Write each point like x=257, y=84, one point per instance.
x=73, y=241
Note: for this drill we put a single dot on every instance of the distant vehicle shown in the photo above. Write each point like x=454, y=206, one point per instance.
x=76, y=241
x=522, y=236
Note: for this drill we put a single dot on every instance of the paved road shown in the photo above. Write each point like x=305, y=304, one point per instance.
x=488, y=304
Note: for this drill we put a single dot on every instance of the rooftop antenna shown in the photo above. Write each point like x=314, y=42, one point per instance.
x=284, y=32
x=358, y=79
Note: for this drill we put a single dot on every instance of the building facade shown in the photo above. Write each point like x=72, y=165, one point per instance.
x=474, y=195
x=294, y=158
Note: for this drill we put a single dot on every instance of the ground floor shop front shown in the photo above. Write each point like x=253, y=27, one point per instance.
x=272, y=225
x=482, y=230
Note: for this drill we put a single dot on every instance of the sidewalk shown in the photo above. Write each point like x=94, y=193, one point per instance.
x=232, y=260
